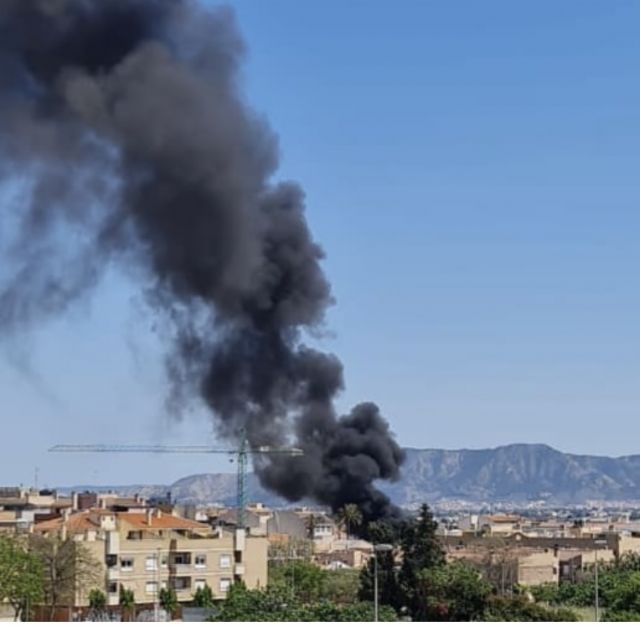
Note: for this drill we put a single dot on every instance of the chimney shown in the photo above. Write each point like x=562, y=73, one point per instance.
x=65, y=519
x=149, y=516
x=74, y=500
x=158, y=513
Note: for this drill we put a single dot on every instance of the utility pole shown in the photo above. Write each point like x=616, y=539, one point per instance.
x=379, y=547
x=596, y=543
x=375, y=585
x=596, y=588
x=156, y=603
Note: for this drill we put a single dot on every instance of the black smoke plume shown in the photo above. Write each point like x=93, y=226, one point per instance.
x=122, y=123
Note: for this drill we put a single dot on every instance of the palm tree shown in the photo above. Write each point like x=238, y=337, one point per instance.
x=349, y=516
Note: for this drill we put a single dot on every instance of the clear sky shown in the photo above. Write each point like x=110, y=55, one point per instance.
x=471, y=170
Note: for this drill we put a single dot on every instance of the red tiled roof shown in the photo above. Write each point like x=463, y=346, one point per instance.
x=77, y=521
x=165, y=521
x=82, y=521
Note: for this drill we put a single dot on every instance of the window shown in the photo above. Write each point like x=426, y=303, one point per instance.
x=151, y=563
x=126, y=564
x=200, y=583
x=134, y=535
x=182, y=558
x=225, y=561
x=151, y=587
x=112, y=587
x=182, y=582
x=201, y=561
x=225, y=583
x=164, y=560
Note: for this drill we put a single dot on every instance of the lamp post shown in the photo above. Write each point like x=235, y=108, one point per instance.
x=596, y=543
x=379, y=547
x=156, y=600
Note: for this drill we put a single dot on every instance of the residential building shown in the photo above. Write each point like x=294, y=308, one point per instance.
x=151, y=550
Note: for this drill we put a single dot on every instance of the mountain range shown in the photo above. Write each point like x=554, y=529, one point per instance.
x=517, y=474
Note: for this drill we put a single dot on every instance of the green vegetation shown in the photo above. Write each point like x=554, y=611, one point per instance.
x=168, y=600
x=299, y=579
x=341, y=586
x=97, y=599
x=276, y=604
x=203, y=597
x=309, y=583
x=414, y=581
x=21, y=576
x=422, y=553
x=618, y=590
x=127, y=603
x=519, y=609
x=426, y=588
x=454, y=592
x=350, y=518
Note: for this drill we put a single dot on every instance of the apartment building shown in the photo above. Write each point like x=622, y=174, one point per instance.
x=20, y=508
x=150, y=550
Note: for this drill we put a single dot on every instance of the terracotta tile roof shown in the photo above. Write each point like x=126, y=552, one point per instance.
x=77, y=521
x=165, y=521
x=82, y=521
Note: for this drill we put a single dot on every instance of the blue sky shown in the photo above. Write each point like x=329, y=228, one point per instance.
x=471, y=172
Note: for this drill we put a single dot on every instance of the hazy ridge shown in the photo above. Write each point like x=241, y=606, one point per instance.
x=518, y=473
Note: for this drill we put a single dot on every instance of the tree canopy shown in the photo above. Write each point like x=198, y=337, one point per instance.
x=21, y=576
x=275, y=605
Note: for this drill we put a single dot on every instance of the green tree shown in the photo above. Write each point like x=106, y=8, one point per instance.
x=350, y=517
x=389, y=591
x=203, y=597
x=97, y=599
x=274, y=604
x=301, y=579
x=127, y=602
x=421, y=549
x=20, y=576
x=341, y=586
x=519, y=609
x=168, y=600
x=621, y=591
x=620, y=616
x=455, y=592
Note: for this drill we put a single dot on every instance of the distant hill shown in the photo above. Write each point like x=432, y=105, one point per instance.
x=518, y=473
x=515, y=473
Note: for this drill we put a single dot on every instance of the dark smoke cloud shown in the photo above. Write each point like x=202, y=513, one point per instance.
x=124, y=122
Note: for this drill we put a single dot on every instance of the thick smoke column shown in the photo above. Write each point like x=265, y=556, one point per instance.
x=122, y=122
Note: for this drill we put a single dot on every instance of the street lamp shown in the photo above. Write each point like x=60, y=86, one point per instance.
x=378, y=547
x=596, y=543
